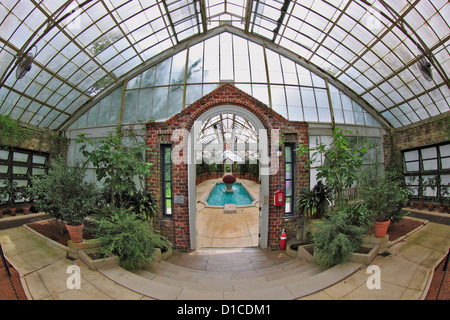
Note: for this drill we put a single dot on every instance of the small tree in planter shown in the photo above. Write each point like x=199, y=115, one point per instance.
x=3, y=196
x=65, y=195
x=11, y=192
x=383, y=195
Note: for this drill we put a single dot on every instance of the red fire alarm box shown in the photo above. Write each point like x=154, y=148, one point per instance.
x=279, y=198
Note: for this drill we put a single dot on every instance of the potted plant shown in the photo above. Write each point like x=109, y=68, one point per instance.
x=340, y=234
x=229, y=179
x=3, y=196
x=383, y=195
x=65, y=195
x=11, y=192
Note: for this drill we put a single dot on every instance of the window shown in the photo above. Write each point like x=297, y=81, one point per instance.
x=427, y=170
x=166, y=179
x=289, y=171
x=19, y=165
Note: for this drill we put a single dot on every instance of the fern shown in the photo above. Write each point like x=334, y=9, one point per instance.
x=131, y=238
x=339, y=235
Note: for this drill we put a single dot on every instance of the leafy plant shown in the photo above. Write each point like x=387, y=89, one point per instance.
x=339, y=235
x=383, y=193
x=119, y=162
x=63, y=193
x=342, y=161
x=125, y=234
x=10, y=191
x=229, y=178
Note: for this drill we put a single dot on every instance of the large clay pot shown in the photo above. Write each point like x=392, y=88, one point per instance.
x=75, y=232
x=381, y=228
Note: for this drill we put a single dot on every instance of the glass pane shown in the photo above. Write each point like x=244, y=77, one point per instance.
x=411, y=155
x=288, y=188
x=445, y=150
x=3, y=169
x=287, y=207
x=288, y=153
x=4, y=155
x=20, y=170
x=429, y=153
x=38, y=171
x=167, y=155
x=168, y=206
x=20, y=157
x=288, y=171
x=430, y=164
x=445, y=163
x=168, y=190
x=39, y=159
x=167, y=173
x=412, y=166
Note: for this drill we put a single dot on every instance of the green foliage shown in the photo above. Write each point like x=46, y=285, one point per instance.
x=339, y=234
x=127, y=235
x=342, y=161
x=12, y=133
x=383, y=193
x=63, y=193
x=119, y=162
x=10, y=191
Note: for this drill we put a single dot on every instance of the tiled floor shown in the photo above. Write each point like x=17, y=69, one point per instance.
x=220, y=230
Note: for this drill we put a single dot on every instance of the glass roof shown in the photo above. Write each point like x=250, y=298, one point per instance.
x=84, y=50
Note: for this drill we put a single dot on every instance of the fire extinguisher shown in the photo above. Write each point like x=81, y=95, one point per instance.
x=283, y=240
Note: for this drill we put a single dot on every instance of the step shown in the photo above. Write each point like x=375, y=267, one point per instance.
x=216, y=283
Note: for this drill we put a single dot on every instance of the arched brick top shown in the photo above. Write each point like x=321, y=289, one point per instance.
x=228, y=94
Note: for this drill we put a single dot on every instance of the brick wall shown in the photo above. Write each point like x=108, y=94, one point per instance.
x=428, y=133
x=177, y=227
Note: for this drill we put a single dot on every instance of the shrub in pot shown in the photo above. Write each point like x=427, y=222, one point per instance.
x=340, y=234
x=11, y=194
x=129, y=236
x=384, y=197
x=65, y=195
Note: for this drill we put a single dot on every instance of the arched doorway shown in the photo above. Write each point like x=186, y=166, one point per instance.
x=176, y=136
x=262, y=146
x=229, y=146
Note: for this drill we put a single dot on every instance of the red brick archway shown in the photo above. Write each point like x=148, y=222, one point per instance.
x=159, y=134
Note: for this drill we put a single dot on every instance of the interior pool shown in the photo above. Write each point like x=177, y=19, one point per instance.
x=239, y=196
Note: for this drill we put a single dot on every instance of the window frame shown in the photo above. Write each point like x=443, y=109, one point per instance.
x=292, y=179
x=10, y=163
x=422, y=173
x=164, y=181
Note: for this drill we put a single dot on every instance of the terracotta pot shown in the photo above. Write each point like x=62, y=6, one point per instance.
x=1, y=212
x=12, y=211
x=430, y=206
x=420, y=205
x=26, y=210
x=381, y=228
x=441, y=209
x=75, y=232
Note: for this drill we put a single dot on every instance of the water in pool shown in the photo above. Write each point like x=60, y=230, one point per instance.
x=219, y=197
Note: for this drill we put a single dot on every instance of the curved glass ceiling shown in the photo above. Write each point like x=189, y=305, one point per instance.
x=84, y=50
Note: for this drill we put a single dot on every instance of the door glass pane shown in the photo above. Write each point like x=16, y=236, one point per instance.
x=169, y=206
x=288, y=154
x=167, y=173
x=168, y=190
x=287, y=207
x=288, y=171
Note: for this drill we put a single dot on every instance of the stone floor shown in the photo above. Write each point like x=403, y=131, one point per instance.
x=221, y=230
